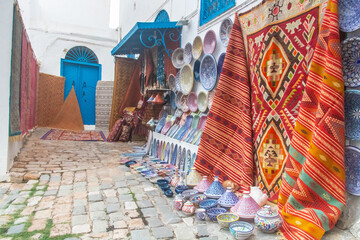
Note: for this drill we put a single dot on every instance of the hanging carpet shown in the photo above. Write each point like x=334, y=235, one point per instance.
x=104, y=94
x=58, y=134
x=50, y=98
x=69, y=116
x=124, y=68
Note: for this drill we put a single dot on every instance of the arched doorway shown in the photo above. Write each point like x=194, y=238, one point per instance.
x=82, y=71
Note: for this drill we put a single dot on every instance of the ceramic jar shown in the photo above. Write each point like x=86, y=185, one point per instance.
x=178, y=202
x=201, y=214
x=175, y=180
x=188, y=208
x=268, y=220
x=246, y=207
x=216, y=189
x=228, y=199
x=203, y=185
x=260, y=197
x=194, y=178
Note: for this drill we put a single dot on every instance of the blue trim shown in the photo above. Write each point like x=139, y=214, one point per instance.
x=207, y=14
x=162, y=16
x=80, y=63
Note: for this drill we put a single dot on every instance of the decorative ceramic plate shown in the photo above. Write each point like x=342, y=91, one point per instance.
x=188, y=162
x=211, y=98
x=225, y=31
x=183, y=103
x=352, y=169
x=177, y=58
x=177, y=82
x=186, y=79
x=351, y=62
x=192, y=102
x=160, y=125
x=166, y=127
x=352, y=114
x=197, y=47
x=202, y=101
x=171, y=82
x=178, y=158
x=172, y=100
x=196, y=70
x=178, y=99
x=220, y=63
x=202, y=122
x=163, y=114
x=174, y=155
x=188, y=53
x=208, y=72
x=209, y=44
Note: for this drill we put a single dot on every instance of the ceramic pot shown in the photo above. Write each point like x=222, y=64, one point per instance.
x=175, y=180
x=228, y=199
x=201, y=214
x=178, y=202
x=188, y=208
x=216, y=190
x=246, y=207
x=203, y=185
x=260, y=197
x=267, y=220
x=194, y=178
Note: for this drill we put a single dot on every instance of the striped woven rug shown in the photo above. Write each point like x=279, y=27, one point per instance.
x=104, y=93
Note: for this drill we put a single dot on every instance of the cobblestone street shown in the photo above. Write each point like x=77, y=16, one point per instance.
x=83, y=193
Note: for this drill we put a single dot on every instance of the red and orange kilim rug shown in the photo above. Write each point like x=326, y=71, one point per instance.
x=59, y=134
x=297, y=113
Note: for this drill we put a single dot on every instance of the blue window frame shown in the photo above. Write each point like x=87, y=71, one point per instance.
x=212, y=8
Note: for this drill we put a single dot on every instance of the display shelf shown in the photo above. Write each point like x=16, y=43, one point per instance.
x=188, y=146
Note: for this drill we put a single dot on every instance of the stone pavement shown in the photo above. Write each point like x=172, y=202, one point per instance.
x=95, y=198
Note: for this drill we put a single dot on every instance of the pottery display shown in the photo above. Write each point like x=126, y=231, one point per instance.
x=212, y=213
x=178, y=99
x=194, y=178
x=225, y=31
x=246, y=208
x=216, y=190
x=177, y=58
x=203, y=185
x=200, y=214
x=178, y=202
x=260, y=197
x=228, y=199
x=234, y=186
x=208, y=72
x=192, y=102
x=202, y=101
x=197, y=47
x=350, y=61
x=241, y=230
x=186, y=79
x=183, y=103
x=209, y=44
x=352, y=116
x=224, y=219
x=352, y=170
x=188, y=208
x=188, y=53
x=208, y=203
x=267, y=220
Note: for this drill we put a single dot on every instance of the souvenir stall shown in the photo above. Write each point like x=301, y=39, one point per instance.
x=270, y=150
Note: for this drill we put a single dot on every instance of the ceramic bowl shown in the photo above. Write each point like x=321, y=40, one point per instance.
x=208, y=72
x=212, y=213
x=220, y=63
x=202, y=101
x=188, y=53
x=129, y=163
x=177, y=58
x=352, y=119
x=165, y=187
x=169, y=193
x=171, y=82
x=209, y=44
x=180, y=189
x=197, y=47
x=208, y=203
x=162, y=182
x=188, y=193
x=186, y=79
x=225, y=31
x=224, y=219
x=192, y=102
x=178, y=99
x=196, y=199
x=241, y=230
x=196, y=69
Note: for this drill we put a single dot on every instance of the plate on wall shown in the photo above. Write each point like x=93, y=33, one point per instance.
x=352, y=170
x=186, y=79
x=202, y=101
x=171, y=82
x=209, y=44
x=225, y=31
x=177, y=58
x=208, y=72
x=188, y=53
x=352, y=114
x=192, y=102
x=196, y=69
x=351, y=61
x=220, y=63
x=197, y=47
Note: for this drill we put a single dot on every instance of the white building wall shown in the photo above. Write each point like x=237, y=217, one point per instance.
x=54, y=27
x=6, y=20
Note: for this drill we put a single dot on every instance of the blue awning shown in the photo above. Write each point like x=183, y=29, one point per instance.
x=148, y=35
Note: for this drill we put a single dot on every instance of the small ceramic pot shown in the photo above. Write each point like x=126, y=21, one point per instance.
x=178, y=202
x=212, y=213
x=268, y=220
x=180, y=189
x=188, y=208
x=201, y=214
x=168, y=193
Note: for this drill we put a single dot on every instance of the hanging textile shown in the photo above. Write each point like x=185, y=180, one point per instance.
x=225, y=149
x=50, y=98
x=124, y=68
x=15, y=127
x=168, y=66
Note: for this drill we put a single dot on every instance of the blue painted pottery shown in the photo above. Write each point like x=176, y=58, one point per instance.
x=212, y=213
x=241, y=230
x=165, y=187
x=129, y=163
x=228, y=199
x=224, y=219
x=169, y=193
x=352, y=170
x=208, y=203
x=180, y=189
x=352, y=114
x=216, y=189
x=196, y=199
x=188, y=193
x=162, y=182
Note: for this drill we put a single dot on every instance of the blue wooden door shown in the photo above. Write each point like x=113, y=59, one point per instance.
x=83, y=77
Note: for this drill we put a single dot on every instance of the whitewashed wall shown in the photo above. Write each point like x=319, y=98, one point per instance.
x=55, y=26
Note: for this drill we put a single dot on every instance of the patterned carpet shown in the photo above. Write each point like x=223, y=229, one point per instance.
x=104, y=93
x=57, y=134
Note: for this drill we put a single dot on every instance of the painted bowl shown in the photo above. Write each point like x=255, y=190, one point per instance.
x=180, y=189
x=352, y=114
x=350, y=61
x=196, y=199
x=208, y=203
x=162, y=182
x=212, y=213
x=171, y=82
x=224, y=219
x=202, y=101
x=183, y=103
x=177, y=58
x=188, y=53
x=225, y=31
x=208, y=72
x=188, y=193
x=241, y=230
x=209, y=44
x=169, y=193
x=196, y=69
x=220, y=63
x=192, y=102
x=178, y=100
x=165, y=187
x=197, y=47
x=352, y=169
x=186, y=79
